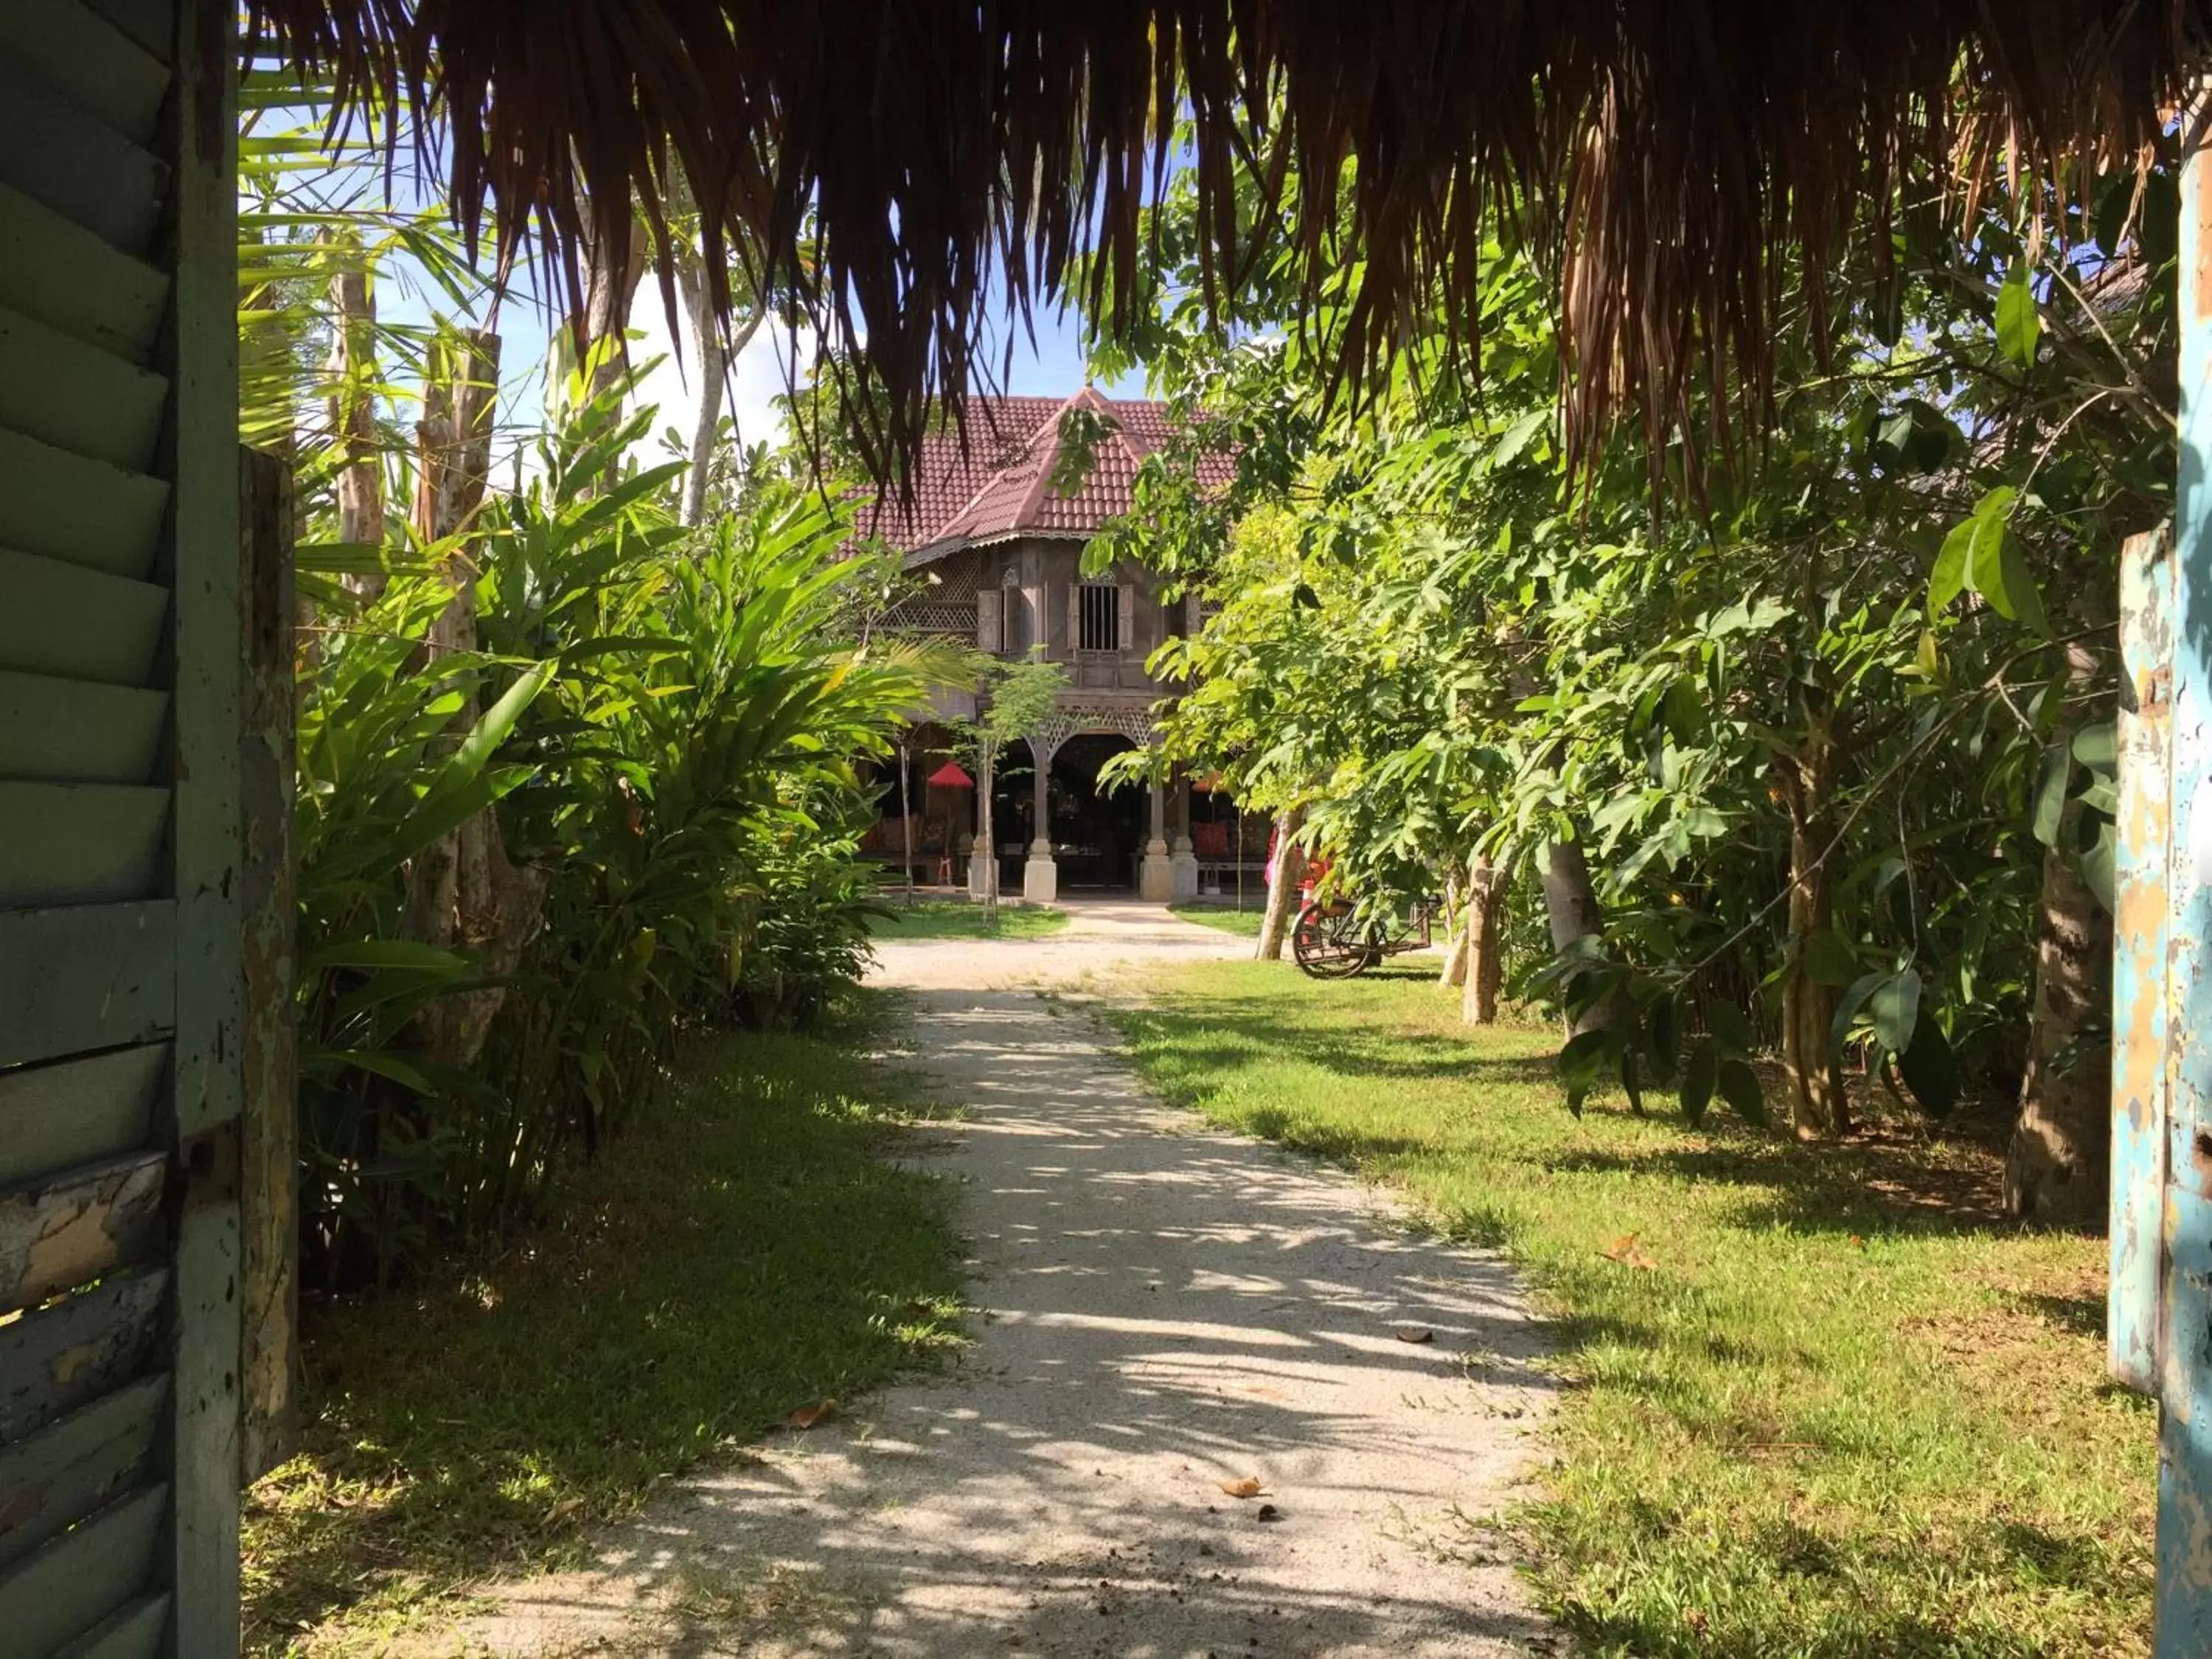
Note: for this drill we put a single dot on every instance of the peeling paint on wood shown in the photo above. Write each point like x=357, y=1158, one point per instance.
x=59, y=1358
x=72, y=1229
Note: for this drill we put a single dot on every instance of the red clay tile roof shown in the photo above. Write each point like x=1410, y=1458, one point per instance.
x=1001, y=487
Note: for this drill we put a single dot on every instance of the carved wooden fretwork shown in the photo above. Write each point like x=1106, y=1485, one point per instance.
x=1075, y=717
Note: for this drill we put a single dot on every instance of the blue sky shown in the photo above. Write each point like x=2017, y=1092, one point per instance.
x=1054, y=365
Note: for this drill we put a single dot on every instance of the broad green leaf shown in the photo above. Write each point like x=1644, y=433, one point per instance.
x=1969, y=558
x=1698, y=1074
x=1855, y=998
x=1579, y=1064
x=1929, y=1069
x=2050, y=794
x=1893, y=1010
x=2100, y=850
x=1738, y=1085
x=383, y=953
x=1728, y=1025
x=2010, y=589
x=2097, y=745
x=1827, y=959
x=2019, y=327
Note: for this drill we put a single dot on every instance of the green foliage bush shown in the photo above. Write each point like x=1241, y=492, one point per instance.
x=665, y=724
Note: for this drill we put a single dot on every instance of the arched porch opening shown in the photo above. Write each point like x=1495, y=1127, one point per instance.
x=1097, y=834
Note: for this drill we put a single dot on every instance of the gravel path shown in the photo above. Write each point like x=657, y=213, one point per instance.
x=1164, y=1309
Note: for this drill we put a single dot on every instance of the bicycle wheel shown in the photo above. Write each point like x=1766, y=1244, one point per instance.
x=1328, y=945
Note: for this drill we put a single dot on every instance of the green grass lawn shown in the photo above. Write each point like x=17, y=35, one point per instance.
x=960, y=918
x=1245, y=922
x=742, y=1253
x=1827, y=1403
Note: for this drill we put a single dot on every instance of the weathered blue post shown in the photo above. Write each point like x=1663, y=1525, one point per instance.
x=2160, y=1322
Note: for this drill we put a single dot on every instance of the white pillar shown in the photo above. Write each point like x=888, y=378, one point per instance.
x=1155, y=875
x=1182, y=861
x=1041, y=875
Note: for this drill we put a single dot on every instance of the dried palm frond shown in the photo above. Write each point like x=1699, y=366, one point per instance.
x=908, y=166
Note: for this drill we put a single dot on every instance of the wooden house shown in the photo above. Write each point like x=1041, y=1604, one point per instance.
x=994, y=535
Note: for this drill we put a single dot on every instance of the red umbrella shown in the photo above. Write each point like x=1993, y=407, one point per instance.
x=949, y=776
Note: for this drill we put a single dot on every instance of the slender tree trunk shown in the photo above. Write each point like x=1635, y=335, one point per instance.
x=463, y=892
x=1486, y=956
x=1454, y=970
x=1818, y=1105
x=1571, y=908
x=360, y=481
x=716, y=354
x=2060, y=1159
x=986, y=844
x=906, y=824
x=1282, y=891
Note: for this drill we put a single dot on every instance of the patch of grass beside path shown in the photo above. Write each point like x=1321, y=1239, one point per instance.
x=962, y=918
x=742, y=1252
x=1245, y=923
x=1826, y=1403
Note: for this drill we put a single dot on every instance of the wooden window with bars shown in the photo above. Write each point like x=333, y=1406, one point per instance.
x=1099, y=623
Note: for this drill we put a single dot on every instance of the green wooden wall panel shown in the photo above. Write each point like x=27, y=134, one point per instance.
x=68, y=278
x=89, y=61
x=151, y=23
x=64, y=620
x=85, y=976
x=83, y=169
x=78, y=731
x=82, y=1579
x=69, y=1228
x=134, y=1633
x=81, y=843
x=63, y=1357
x=209, y=1095
x=73, y=1467
x=63, y=392
x=77, y=1111
x=83, y=512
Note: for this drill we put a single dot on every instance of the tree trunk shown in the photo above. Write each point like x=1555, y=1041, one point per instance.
x=1282, y=891
x=1486, y=956
x=1818, y=1105
x=463, y=892
x=716, y=354
x=2060, y=1159
x=1571, y=908
x=610, y=291
x=1454, y=971
x=360, y=481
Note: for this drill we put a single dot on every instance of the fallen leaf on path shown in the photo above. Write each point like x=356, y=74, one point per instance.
x=1623, y=1250
x=1249, y=1487
x=1414, y=1333
x=807, y=1416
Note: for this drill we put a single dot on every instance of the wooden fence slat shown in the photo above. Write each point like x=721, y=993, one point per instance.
x=71, y=1468
x=81, y=843
x=85, y=976
x=69, y=279
x=89, y=61
x=76, y=1111
x=75, y=1584
x=134, y=1633
x=91, y=175
x=80, y=624
x=70, y=730
x=67, y=392
x=84, y=512
x=58, y=1358
x=69, y=1228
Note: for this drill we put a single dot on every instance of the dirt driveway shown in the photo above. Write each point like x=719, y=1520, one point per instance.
x=1162, y=1312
